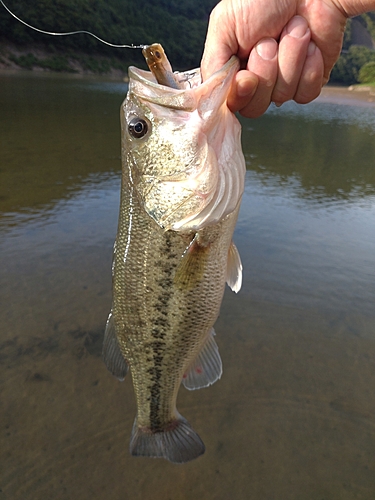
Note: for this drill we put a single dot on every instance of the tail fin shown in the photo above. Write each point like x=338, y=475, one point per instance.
x=178, y=443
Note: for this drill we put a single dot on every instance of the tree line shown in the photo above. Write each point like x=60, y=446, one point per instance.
x=356, y=63
x=179, y=25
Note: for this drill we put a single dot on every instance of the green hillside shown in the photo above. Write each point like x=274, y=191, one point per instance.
x=179, y=25
x=358, y=52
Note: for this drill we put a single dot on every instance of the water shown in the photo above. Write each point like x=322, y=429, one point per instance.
x=294, y=415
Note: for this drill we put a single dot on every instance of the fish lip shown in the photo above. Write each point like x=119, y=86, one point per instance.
x=148, y=78
x=176, y=98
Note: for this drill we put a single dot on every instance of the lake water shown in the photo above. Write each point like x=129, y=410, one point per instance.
x=293, y=417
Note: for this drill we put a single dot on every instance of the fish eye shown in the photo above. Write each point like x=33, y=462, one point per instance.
x=137, y=128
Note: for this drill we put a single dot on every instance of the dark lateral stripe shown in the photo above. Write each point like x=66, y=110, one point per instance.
x=159, y=331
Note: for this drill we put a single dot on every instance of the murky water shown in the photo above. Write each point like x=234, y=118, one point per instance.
x=294, y=415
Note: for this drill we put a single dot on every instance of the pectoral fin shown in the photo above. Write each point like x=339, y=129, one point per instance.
x=191, y=269
x=112, y=355
x=207, y=368
x=234, y=269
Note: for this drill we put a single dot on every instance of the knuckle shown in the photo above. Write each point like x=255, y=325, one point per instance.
x=216, y=14
x=254, y=110
x=282, y=95
x=309, y=88
x=305, y=98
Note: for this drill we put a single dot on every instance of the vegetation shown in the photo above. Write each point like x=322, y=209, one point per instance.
x=179, y=25
x=367, y=73
x=368, y=21
x=348, y=67
x=54, y=63
x=354, y=57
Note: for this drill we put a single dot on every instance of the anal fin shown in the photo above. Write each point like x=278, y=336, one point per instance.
x=207, y=367
x=112, y=355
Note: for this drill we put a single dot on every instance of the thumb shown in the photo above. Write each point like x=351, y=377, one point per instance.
x=221, y=42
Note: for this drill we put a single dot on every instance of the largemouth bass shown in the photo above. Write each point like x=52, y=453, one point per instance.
x=182, y=182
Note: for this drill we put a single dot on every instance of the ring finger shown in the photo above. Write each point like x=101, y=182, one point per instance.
x=293, y=46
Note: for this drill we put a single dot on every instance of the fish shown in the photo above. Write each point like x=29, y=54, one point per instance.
x=183, y=176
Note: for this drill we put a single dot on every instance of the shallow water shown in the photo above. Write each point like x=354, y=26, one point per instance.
x=293, y=416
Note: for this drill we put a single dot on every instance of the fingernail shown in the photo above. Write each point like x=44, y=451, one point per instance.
x=267, y=48
x=297, y=27
x=311, y=49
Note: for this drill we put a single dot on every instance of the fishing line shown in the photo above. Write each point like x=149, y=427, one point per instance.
x=72, y=32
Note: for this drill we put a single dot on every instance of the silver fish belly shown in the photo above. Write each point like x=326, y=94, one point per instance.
x=183, y=178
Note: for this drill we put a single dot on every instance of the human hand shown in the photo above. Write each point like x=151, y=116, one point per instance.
x=295, y=68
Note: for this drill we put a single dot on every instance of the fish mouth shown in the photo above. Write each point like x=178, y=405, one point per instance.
x=144, y=85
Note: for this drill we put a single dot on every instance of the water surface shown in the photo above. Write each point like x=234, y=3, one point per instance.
x=293, y=416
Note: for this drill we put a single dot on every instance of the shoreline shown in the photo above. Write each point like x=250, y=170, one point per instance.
x=82, y=64
x=354, y=95
x=38, y=59
x=350, y=96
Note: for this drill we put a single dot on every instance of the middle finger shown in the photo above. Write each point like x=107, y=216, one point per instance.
x=263, y=63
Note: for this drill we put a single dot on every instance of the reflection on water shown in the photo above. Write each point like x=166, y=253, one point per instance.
x=293, y=416
x=360, y=116
x=54, y=134
x=322, y=147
